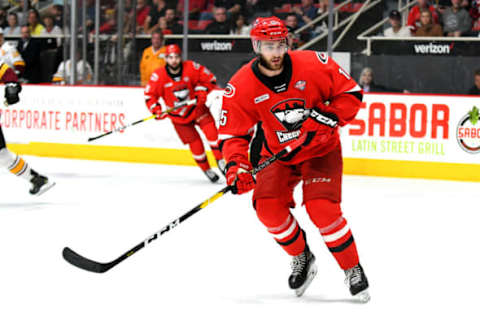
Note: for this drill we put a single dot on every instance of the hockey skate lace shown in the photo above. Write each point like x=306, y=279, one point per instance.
x=298, y=263
x=354, y=275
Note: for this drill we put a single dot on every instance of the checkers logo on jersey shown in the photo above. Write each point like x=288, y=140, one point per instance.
x=290, y=113
x=468, y=132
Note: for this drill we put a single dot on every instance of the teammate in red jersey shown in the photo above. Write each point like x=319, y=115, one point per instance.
x=292, y=93
x=14, y=163
x=186, y=84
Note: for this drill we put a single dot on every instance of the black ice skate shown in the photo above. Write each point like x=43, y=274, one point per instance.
x=211, y=175
x=222, y=166
x=357, y=282
x=304, y=270
x=40, y=184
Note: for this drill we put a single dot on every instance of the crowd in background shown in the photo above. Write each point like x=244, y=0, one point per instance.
x=227, y=17
x=452, y=18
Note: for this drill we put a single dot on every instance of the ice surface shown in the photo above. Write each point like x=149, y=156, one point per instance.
x=417, y=239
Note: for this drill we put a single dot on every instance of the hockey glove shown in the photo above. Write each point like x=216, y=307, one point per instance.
x=319, y=126
x=201, y=97
x=157, y=110
x=12, y=89
x=239, y=177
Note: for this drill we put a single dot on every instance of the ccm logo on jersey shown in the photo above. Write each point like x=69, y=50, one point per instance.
x=323, y=119
x=229, y=91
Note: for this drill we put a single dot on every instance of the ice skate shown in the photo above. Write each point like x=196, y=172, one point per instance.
x=211, y=175
x=222, y=166
x=303, y=271
x=40, y=184
x=357, y=282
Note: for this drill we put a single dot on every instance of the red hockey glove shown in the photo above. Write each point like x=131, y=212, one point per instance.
x=201, y=97
x=239, y=177
x=157, y=110
x=318, y=126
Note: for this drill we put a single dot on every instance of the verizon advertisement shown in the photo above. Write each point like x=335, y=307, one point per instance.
x=415, y=128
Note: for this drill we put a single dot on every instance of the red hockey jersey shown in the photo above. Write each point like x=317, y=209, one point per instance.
x=175, y=90
x=311, y=79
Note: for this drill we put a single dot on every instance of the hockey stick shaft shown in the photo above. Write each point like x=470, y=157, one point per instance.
x=94, y=266
x=121, y=128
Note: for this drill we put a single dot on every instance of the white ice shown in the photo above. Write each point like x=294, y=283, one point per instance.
x=417, y=239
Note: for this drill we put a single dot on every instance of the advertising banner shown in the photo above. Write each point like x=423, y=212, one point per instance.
x=406, y=135
x=415, y=128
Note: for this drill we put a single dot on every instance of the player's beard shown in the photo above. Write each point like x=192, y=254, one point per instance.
x=269, y=65
x=174, y=68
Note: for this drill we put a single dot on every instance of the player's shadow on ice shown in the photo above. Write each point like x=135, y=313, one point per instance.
x=291, y=298
x=27, y=206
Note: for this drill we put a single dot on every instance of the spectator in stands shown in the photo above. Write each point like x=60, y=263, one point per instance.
x=151, y=22
x=475, y=90
x=153, y=57
x=475, y=15
x=172, y=21
x=413, y=20
x=258, y=8
x=64, y=71
x=239, y=26
x=141, y=13
x=110, y=25
x=3, y=18
x=456, y=20
x=36, y=28
x=13, y=29
x=396, y=30
x=307, y=11
x=428, y=28
x=368, y=85
x=233, y=7
x=51, y=30
x=220, y=24
x=195, y=7
x=291, y=21
x=30, y=49
x=56, y=11
x=22, y=19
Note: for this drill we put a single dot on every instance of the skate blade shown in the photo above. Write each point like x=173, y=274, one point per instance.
x=45, y=188
x=363, y=296
x=311, y=274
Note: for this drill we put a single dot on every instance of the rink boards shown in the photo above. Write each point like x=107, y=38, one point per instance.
x=395, y=135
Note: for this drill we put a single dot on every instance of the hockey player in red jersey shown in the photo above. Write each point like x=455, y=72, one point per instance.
x=177, y=84
x=14, y=163
x=292, y=93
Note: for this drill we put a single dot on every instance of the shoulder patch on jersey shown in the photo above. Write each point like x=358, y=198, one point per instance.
x=154, y=77
x=196, y=65
x=323, y=57
x=229, y=91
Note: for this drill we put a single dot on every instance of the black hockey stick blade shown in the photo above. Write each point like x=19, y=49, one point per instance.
x=84, y=263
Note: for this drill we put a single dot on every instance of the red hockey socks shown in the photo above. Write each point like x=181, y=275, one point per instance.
x=327, y=216
x=198, y=152
x=281, y=224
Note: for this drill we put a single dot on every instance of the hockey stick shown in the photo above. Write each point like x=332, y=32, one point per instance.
x=121, y=128
x=94, y=266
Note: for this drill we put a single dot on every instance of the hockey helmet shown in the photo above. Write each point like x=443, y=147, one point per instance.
x=173, y=49
x=268, y=29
